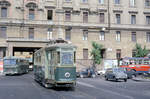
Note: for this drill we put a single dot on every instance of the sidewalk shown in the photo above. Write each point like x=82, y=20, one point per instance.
x=141, y=79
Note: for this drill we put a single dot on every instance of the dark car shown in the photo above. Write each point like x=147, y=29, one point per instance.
x=88, y=72
x=130, y=73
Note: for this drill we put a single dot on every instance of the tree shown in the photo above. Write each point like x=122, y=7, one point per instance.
x=96, y=53
x=141, y=52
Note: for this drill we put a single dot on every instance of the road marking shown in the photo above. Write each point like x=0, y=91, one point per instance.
x=105, y=90
x=85, y=84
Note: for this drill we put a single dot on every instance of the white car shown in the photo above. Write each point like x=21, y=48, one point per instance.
x=101, y=72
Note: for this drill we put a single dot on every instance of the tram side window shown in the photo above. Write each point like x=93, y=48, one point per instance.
x=146, y=61
x=58, y=57
x=49, y=57
x=140, y=61
x=74, y=57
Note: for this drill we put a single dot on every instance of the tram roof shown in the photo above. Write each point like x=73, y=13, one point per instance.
x=61, y=45
x=136, y=58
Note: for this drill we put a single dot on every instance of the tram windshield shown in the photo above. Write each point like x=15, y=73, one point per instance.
x=66, y=58
x=9, y=62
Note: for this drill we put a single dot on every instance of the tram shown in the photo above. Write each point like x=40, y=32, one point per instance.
x=54, y=65
x=15, y=65
x=139, y=65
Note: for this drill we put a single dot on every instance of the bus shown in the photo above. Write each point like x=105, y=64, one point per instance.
x=15, y=65
x=54, y=65
x=139, y=65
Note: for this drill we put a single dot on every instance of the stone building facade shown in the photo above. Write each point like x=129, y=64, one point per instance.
x=27, y=25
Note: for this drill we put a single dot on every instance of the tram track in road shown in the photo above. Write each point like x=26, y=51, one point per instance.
x=45, y=91
x=62, y=93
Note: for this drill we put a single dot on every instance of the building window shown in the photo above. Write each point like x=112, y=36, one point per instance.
x=148, y=20
x=85, y=34
x=118, y=53
x=68, y=15
x=133, y=53
x=147, y=3
x=2, y=52
x=85, y=17
x=31, y=14
x=84, y=1
x=68, y=34
x=133, y=36
x=117, y=1
x=49, y=14
x=3, y=33
x=148, y=36
x=118, y=19
x=68, y=0
x=31, y=33
x=49, y=33
x=85, y=53
x=102, y=35
x=133, y=19
x=132, y=3
x=4, y=12
x=102, y=17
x=101, y=1
x=118, y=36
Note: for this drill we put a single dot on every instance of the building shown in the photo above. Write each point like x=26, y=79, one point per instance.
x=27, y=25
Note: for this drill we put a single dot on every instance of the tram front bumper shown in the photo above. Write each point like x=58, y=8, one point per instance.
x=65, y=84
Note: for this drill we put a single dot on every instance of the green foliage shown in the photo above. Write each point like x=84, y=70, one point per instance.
x=141, y=52
x=96, y=52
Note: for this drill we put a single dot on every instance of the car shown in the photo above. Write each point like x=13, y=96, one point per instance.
x=101, y=72
x=130, y=72
x=115, y=74
x=77, y=74
x=88, y=72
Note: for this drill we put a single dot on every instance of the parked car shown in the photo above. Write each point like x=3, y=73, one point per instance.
x=115, y=74
x=77, y=74
x=130, y=72
x=88, y=72
x=101, y=72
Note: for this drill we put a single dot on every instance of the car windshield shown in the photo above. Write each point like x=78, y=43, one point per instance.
x=67, y=58
x=9, y=62
x=118, y=70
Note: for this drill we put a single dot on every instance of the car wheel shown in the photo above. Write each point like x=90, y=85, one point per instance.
x=116, y=79
x=106, y=78
x=81, y=76
x=125, y=80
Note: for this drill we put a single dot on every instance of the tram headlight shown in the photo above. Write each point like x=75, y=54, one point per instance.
x=67, y=74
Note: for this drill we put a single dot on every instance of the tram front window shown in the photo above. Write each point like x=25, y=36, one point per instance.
x=67, y=58
x=9, y=62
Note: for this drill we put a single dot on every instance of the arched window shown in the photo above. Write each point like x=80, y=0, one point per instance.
x=4, y=8
x=31, y=6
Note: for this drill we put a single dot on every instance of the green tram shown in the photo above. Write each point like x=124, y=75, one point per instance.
x=15, y=65
x=54, y=65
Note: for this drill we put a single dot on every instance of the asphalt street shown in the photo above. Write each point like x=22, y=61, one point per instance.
x=24, y=87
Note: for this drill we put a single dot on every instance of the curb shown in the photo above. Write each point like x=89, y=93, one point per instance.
x=141, y=79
